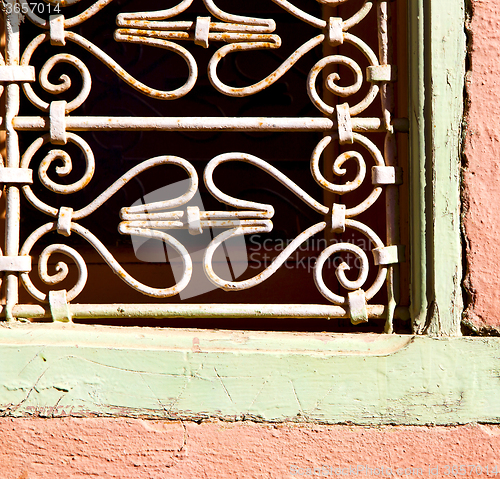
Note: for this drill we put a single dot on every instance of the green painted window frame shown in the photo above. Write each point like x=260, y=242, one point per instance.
x=434, y=376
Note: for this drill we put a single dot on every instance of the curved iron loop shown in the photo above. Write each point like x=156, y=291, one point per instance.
x=116, y=68
x=360, y=176
x=271, y=78
x=332, y=78
x=340, y=269
x=263, y=165
x=62, y=268
x=111, y=190
x=269, y=271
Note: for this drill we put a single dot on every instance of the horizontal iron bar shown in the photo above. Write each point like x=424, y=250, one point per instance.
x=160, y=311
x=126, y=123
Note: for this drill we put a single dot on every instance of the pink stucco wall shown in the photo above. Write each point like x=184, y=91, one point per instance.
x=137, y=449
x=482, y=173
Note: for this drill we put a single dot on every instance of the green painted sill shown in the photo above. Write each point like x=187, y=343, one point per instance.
x=53, y=370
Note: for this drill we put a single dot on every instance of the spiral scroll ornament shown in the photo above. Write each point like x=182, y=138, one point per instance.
x=64, y=80
x=61, y=267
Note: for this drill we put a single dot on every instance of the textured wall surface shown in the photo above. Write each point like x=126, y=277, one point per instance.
x=127, y=448
x=482, y=173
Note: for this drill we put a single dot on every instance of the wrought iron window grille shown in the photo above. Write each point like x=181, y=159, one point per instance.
x=356, y=113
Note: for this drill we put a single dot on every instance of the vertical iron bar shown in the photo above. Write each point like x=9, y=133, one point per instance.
x=12, y=54
x=390, y=156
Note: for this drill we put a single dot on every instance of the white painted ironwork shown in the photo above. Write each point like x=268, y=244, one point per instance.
x=341, y=123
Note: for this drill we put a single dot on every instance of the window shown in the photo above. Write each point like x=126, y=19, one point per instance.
x=55, y=369
x=299, y=95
